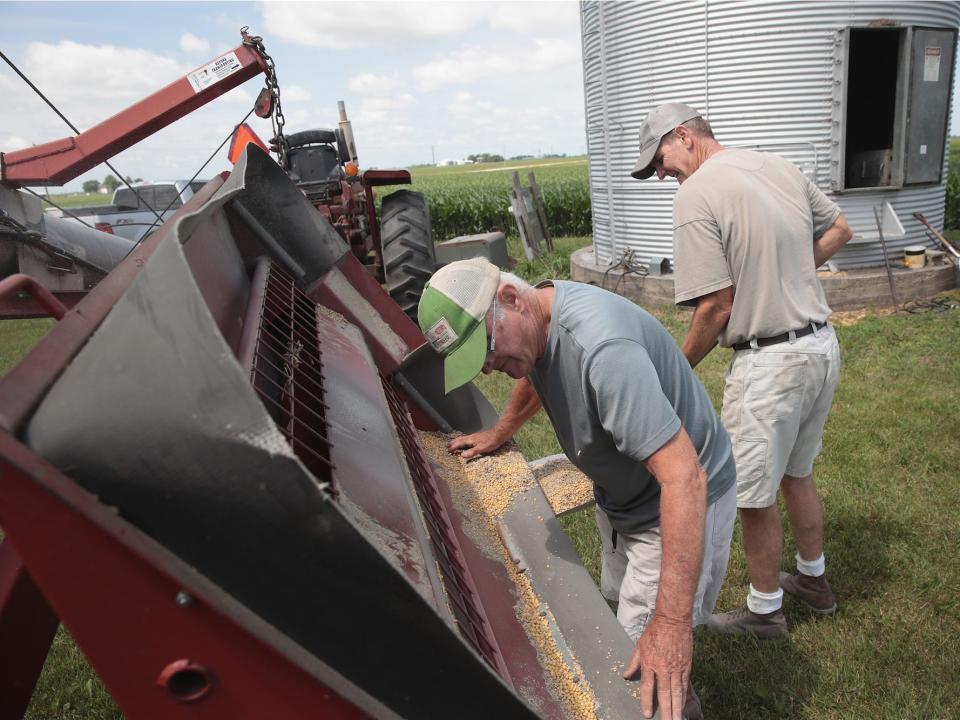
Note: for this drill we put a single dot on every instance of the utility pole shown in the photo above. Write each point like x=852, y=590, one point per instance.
x=433, y=154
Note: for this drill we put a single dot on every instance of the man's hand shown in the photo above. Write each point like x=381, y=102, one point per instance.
x=481, y=443
x=662, y=657
x=523, y=405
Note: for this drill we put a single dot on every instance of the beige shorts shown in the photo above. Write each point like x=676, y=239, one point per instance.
x=630, y=571
x=775, y=405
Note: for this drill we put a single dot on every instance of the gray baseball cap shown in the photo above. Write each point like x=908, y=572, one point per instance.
x=659, y=122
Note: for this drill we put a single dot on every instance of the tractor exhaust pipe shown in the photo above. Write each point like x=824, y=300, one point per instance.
x=346, y=129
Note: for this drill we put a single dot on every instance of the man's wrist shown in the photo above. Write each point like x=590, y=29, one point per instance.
x=674, y=620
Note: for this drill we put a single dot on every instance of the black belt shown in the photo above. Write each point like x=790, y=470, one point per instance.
x=777, y=339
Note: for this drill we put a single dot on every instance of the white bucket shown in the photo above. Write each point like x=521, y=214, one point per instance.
x=914, y=256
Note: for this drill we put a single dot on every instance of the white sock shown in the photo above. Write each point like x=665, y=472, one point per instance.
x=763, y=603
x=814, y=568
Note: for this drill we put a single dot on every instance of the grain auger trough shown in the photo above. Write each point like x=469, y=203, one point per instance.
x=223, y=470
x=220, y=471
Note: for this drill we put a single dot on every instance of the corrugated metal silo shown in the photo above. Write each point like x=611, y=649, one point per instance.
x=857, y=94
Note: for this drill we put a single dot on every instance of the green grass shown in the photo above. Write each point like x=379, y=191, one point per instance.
x=892, y=510
x=18, y=337
x=73, y=200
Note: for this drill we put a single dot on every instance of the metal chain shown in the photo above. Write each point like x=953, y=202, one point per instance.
x=276, y=118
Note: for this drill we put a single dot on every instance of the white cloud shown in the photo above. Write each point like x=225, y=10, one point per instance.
x=94, y=79
x=13, y=142
x=192, y=44
x=473, y=64
x=237, y=96
x=381, y=110
x=294, y=93
x=551, y=53
x=366, y=24
x=529, y=18
x=371, y=84
x=342, y=25
x=466, y=105
x=296, y=120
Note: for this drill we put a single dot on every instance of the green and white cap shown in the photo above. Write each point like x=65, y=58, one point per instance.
x=451, y=314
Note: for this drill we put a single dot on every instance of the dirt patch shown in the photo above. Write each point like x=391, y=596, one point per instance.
x=852, y=317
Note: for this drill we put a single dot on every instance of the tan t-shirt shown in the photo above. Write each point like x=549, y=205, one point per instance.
x=749, y=219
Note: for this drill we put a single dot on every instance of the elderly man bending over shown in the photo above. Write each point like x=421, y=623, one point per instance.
x=629, y=412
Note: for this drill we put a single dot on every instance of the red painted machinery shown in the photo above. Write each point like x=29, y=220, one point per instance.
x=211, y=473
x=396, y=248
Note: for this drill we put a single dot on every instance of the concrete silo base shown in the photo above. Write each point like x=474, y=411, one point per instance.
x=845, y=290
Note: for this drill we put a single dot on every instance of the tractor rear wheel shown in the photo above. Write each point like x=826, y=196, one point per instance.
x=407, y=245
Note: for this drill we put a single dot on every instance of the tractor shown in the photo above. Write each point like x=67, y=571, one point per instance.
x=398, y=250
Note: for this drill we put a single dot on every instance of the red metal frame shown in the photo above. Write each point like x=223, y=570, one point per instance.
x=43, y=297
x=58, y=162
x=70, y=540
x=27, y=627
x=195, y=645
x=24, y=306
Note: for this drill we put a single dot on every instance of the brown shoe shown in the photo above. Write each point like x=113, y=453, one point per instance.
x=814, y=592
x=743, y=621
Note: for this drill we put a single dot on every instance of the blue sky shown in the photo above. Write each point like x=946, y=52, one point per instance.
x=420, y=80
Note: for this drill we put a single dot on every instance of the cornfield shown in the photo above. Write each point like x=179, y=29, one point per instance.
x=468, y=199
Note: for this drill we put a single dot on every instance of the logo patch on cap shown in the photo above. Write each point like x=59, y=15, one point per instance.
x=441, y=335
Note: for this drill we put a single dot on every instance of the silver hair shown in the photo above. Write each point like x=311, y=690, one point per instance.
x=518, y=282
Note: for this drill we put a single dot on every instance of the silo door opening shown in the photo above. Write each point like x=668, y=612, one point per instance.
x=894, y=106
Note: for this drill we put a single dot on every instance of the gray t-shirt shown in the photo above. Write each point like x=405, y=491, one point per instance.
x=616, y=388
x=749, y=219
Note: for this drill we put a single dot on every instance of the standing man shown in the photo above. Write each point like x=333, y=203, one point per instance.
x=749, y=232
x=630, y=413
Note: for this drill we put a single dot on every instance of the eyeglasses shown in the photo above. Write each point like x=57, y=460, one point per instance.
x=492, y=344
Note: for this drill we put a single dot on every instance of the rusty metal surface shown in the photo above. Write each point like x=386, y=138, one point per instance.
x=24, y=283
x=246, y=351
x=133, y=588
x=386, y=177
x=339, y=293
x=221, y=277
x=27, y=627
x=281, y=213
x=197, y=463
x=22, y=306
x=461, y=589
x=205, y=481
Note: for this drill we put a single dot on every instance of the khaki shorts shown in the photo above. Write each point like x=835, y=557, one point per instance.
x=775, y=405
x=630, y=571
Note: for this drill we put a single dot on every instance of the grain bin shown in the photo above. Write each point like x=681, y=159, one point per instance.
x=856, y=94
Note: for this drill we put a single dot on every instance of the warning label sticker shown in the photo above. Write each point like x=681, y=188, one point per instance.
x=214, y=72
x=931, y=64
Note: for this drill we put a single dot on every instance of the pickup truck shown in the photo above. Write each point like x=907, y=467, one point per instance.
x=133, y=219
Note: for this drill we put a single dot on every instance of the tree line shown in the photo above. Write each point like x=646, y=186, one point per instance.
x=110, y=182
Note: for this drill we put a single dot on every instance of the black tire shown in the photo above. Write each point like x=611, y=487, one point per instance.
x=407, y=244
